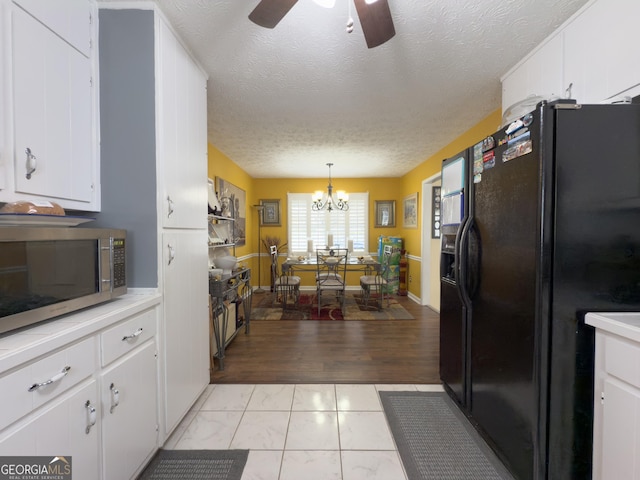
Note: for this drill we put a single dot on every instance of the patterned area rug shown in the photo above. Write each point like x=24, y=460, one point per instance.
x=265, y=309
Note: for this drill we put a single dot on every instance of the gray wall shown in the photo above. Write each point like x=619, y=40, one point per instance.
x=128, y=141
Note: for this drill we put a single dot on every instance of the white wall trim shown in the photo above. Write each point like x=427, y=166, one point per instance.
x=425, y=265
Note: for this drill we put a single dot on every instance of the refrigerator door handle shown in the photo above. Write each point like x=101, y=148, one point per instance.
x=462, y=242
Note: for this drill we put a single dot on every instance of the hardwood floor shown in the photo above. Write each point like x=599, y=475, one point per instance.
x=290, y=351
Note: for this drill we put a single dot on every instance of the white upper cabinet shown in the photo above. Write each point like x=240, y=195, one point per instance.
x=51, y=149
x=182, y=142
x=52, y=113
x=601, y=50
x=540, y=74
x=70, y=19
x=592, y=58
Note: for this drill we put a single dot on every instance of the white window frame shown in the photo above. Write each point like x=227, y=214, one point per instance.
x=352, y=225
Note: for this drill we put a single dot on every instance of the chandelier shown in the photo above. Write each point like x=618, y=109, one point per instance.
x=320, y=202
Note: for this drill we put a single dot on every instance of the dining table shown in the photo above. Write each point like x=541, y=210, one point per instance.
x=310, y=264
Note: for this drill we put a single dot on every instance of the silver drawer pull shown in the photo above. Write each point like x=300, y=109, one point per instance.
x=30, y=164
x=91, y=416
x=135, y=334
x=172, y=253
x=115, y=397
x=53, y=379
x=170, y=206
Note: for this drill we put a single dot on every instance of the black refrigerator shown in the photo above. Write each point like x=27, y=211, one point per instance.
x=552, y=232
x=454, y=209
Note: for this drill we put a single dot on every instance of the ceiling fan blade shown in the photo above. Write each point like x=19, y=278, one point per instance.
x=375, y=19
x=268, y=13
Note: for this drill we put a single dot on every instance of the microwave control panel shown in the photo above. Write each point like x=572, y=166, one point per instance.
x=119, y=264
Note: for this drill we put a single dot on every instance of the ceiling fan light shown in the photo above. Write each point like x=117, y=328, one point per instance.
x=325, y=3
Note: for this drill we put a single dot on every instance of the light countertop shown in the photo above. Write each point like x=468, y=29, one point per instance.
x=30, y=342
x=624, y=324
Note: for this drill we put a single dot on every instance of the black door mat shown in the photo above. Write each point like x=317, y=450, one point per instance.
x=196, y=465
x=435, y=440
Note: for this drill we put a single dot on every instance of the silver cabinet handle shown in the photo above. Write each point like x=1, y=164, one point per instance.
x=115, y=397
x=31, y=163
x=57, y=377
x=91, y=416
x=172, y=253
x=170, y=206
x=135, y=334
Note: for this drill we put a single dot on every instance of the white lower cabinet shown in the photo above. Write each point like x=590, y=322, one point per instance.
x=129, y=410
x=186, y=335
x=93, y=398
x=620, y=431
x=616, y=425
x=63, y=428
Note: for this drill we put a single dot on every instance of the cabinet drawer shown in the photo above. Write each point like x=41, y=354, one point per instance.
x=125, y=336
x=622, y=360
x=47, y=378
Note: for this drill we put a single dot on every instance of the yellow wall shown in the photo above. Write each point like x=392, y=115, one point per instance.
x=412, y=183
x=379, y=189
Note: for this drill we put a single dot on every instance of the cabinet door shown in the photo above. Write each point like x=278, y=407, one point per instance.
x=129, y=412
x=71, y=19
x=60, y=430
x=603, y=62
x=52, y=113
x=539, y=74
x=621, y=428
x=186, y=321
x=182, y=142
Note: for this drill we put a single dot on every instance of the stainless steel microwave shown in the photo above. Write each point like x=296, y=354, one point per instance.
x=47, y=272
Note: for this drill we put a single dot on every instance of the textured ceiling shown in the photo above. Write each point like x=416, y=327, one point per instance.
x=284, y=102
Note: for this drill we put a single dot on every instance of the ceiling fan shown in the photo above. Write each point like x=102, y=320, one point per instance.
x=375, y=17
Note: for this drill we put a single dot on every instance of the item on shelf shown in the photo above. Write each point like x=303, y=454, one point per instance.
x=37, y=207
x=214, y=204
x=227, y=263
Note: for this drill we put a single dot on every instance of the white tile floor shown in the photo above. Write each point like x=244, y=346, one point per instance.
x=293, y=432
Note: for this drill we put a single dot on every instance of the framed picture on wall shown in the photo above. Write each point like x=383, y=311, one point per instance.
x=270, y=216
x=410, y=211
x=233, y=201
x=385, y=213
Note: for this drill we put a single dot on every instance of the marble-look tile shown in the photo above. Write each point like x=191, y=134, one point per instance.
x=311, y=465
x=313, y=431
x=262, y=431
x=271, y=397
x=358, y=398
x=313, y=398
x=263, y=465
x=396, y=388
x=371, y=465
x=210, y=430
x=170, y=443
x=228, y=397
x=430, y=388
x=202, y=398
x=364, y=431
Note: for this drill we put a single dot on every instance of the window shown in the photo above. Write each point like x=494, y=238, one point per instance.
x=304, y=224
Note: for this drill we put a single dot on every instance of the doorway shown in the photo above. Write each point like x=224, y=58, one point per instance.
x=430, y=261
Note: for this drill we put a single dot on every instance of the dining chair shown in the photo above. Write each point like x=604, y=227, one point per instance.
x=285, y=286
x=379, y=281
x=331, y=274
